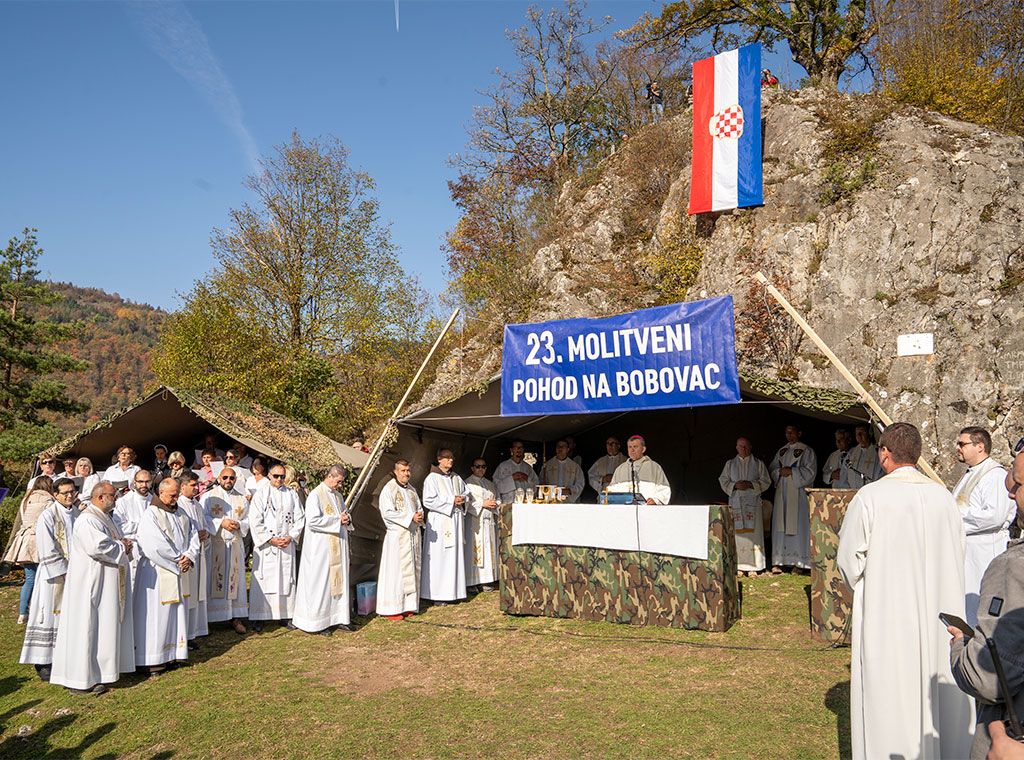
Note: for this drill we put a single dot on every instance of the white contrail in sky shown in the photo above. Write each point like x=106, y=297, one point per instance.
x=396, y=15
x=175, y=35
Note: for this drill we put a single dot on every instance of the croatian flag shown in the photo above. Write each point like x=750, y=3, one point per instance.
x=726, y=169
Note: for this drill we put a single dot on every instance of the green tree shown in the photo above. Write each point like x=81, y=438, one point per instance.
x=27, y=358
x=306, y=300
x=825, y=37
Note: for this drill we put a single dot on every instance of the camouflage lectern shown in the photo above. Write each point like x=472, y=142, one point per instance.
x=831, y=598
x=639, y=588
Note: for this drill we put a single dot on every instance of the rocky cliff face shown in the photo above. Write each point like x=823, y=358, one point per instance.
x=877, y=221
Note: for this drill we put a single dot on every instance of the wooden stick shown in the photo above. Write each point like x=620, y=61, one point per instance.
x=371, y=463
x=847, y=375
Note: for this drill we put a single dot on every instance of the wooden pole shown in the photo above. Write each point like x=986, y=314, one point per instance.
x=847, y=375
x=371, y=463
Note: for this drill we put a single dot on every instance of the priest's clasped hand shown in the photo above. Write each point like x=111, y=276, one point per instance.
x=460, y=501
x=184, y=563
x=418, y=518
x=785, y=471
x=345, y=519
x=228, y=524
x=281, y=542
x=204, y=536
x=127, y=545
x=744, y=485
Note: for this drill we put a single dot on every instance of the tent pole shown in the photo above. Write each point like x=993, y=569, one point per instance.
x=371, y=463
x=847, y=375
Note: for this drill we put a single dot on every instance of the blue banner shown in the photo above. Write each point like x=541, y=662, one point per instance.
x=669, y=356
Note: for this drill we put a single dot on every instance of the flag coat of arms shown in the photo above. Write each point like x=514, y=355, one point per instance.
x=726, y=168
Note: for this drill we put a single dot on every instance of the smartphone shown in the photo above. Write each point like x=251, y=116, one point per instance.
x=956, y=622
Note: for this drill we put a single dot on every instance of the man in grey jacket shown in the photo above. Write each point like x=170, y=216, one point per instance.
x=1001, y=617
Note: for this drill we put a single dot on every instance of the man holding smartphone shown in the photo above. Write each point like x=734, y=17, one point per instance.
x=1000, y=617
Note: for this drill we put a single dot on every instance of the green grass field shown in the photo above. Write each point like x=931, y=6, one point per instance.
x=462, y=680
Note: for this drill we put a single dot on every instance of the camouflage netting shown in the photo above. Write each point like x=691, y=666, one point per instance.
x=831, y=598
x=639, y=588
x=827, y=400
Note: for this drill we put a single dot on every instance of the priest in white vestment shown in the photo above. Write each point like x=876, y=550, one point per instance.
x=228, y=512
x=861, y=465
x=641, y=476
x=985, y=509
x=901, y=550
x=95, y=640
x=131, y=506
x=600, y=474
x=565, y=472
x=744, y=478
x=199, y=577
x=482, y=528
x=834, y=472
x=276, y=519
x=122, y=471
x=168, y=546
x=398, y=579
x=53, y=539
x=792, y=470
x=322, y=595
x=443, y=577
x=514, y=474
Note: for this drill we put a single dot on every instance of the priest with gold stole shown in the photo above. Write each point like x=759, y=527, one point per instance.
x=398, y=580
x=322, y=597
x=482, y=529
x=744, y=478
x=228, y=512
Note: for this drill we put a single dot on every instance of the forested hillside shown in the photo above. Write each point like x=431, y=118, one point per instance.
x=117, y=338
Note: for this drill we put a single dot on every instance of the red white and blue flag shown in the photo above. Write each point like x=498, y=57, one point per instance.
x=726, y=169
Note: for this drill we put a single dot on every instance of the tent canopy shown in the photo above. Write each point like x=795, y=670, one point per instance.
x=179, y=419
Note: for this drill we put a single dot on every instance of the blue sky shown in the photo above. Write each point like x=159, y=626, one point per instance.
x=125, y=150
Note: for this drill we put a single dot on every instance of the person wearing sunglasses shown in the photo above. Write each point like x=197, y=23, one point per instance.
x=47, y=469
x=985, y=509
x=276, y=519
x=228, y=512
x=481, y=529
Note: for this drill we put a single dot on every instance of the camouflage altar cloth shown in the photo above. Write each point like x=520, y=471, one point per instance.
x=639, y=588
x=831, y=598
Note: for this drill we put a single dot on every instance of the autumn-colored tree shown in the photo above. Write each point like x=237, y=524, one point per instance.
x=27, y=356
x=825, y=37
x=307, y=287
x=963, y=59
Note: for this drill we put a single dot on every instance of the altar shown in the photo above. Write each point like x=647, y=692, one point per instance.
x=627, y=564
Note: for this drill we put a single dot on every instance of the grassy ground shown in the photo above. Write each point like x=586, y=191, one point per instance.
x=462, y=680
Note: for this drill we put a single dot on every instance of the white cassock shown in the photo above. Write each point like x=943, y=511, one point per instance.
x=791, y=517
x=127, y=515
x=198, y=576
x=322, y=597
x=862, y=466
x=398, y=579
x=253, y=484
x=565, y=473
x=901, y=550
x=746, y=509
x=649, y=479
x=114, y=474
x=274, y=513
x=226, y=597
x=160, y=599
x=507, y=485
x=604, y=466
x=443, y=577
x=987, y=511
x=836, y=461
x=53, y=545
x=95, y=639
x=481, y=533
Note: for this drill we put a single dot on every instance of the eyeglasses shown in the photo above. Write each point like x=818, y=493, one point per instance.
x=1019, y=447
x=49, y=461
x=72, y=492
x=277, y=477
x=227, y=477
x=961, y=444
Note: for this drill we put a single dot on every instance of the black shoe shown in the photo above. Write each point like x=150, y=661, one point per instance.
x=97, y=689
x=440, y=604
x=43, y=671
x=344, y=628
x=324, y=632
x=291, y=626
x=257, y=626
x=193, y=645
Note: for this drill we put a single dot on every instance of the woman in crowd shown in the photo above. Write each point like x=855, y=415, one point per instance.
x=293, y=481
x=176, y=461
x=85, y=471
x=23, y=547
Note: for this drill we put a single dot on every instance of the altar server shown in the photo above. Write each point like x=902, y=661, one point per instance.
x=199, y=577
x=792, y=470
x=444, y=559
x=322, y=598
x=228, y=513
x=601, y=472
x=482, y=529
x=744, y=478
x=168, y=546
x=53, y=538
x=398, y=580
x=901, y=550
x=985, y=509
x=641, y=475
x=276, y=520
x=565, y=472
x=834, y=472
x=95, y=639
x=514, y=473
x=861, y=465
